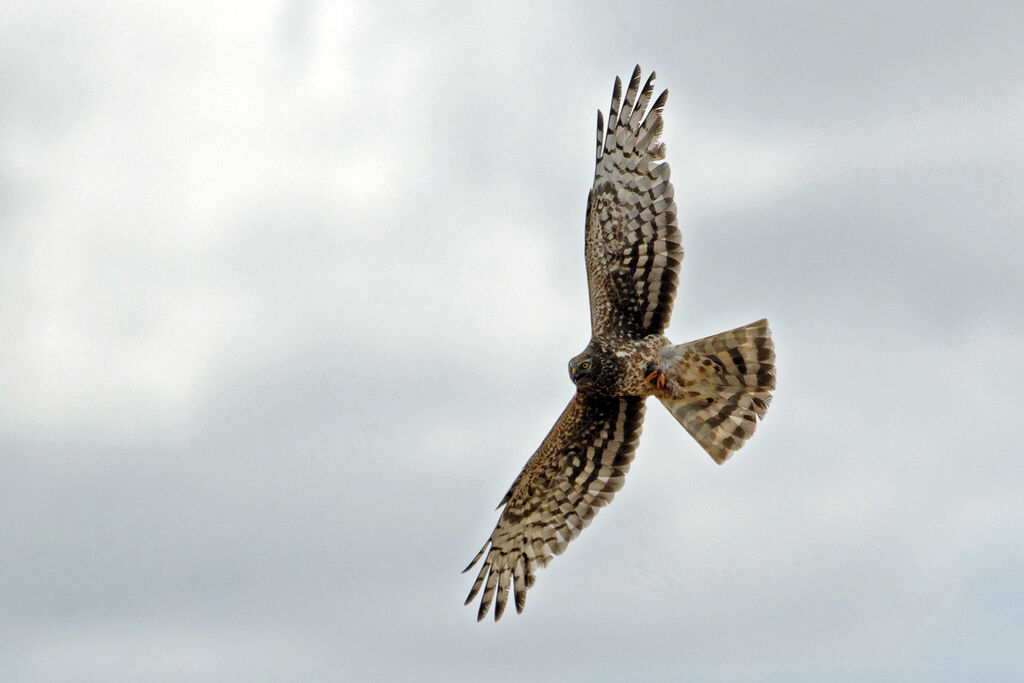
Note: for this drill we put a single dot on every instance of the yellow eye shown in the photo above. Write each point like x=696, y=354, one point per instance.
x=585, y=365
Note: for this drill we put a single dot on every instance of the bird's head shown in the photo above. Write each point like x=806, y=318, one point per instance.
x=593, y=371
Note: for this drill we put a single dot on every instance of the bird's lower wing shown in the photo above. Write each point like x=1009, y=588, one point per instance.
x=577, y=470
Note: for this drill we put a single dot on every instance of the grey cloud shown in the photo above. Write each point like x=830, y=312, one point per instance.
x=292, y=289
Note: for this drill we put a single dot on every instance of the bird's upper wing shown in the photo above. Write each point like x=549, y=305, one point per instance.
x=577, y=469
x=633, y=245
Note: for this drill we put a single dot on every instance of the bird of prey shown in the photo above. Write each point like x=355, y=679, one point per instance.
x=716, y=387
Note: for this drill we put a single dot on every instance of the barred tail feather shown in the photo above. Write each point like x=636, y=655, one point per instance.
x=719, y=386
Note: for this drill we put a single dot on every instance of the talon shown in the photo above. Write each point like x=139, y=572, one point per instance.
x=659, y=378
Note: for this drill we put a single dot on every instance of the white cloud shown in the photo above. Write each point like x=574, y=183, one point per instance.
x=289, y=291
x=158, y=652
x=719, y=169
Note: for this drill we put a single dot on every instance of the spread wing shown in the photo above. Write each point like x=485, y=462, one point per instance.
x=633, y=246
x=577, y=469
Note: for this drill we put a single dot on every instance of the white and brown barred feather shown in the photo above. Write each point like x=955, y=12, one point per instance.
x=576, y=471
x=720, y=386
x=633, y=246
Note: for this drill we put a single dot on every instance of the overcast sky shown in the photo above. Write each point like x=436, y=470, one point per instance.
x=288, y=292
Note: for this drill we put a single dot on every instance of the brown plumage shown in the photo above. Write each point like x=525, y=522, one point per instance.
x=716, y=387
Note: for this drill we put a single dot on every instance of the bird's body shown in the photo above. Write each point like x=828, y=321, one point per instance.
x=716, y=387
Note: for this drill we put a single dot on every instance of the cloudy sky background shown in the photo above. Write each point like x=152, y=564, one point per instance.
x=287, y=296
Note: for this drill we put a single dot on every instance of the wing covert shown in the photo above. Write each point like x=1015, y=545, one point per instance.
x=577, y=470
x=633, y=245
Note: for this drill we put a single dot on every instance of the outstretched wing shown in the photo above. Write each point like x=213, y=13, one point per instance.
x=633, y=246
x=577, y=469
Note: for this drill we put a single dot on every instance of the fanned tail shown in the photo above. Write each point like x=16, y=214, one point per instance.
x=721, y=385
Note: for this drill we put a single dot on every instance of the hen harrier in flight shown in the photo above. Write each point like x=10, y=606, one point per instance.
x=716, y=387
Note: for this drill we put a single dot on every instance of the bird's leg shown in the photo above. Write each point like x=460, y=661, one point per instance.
x=656, y=375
